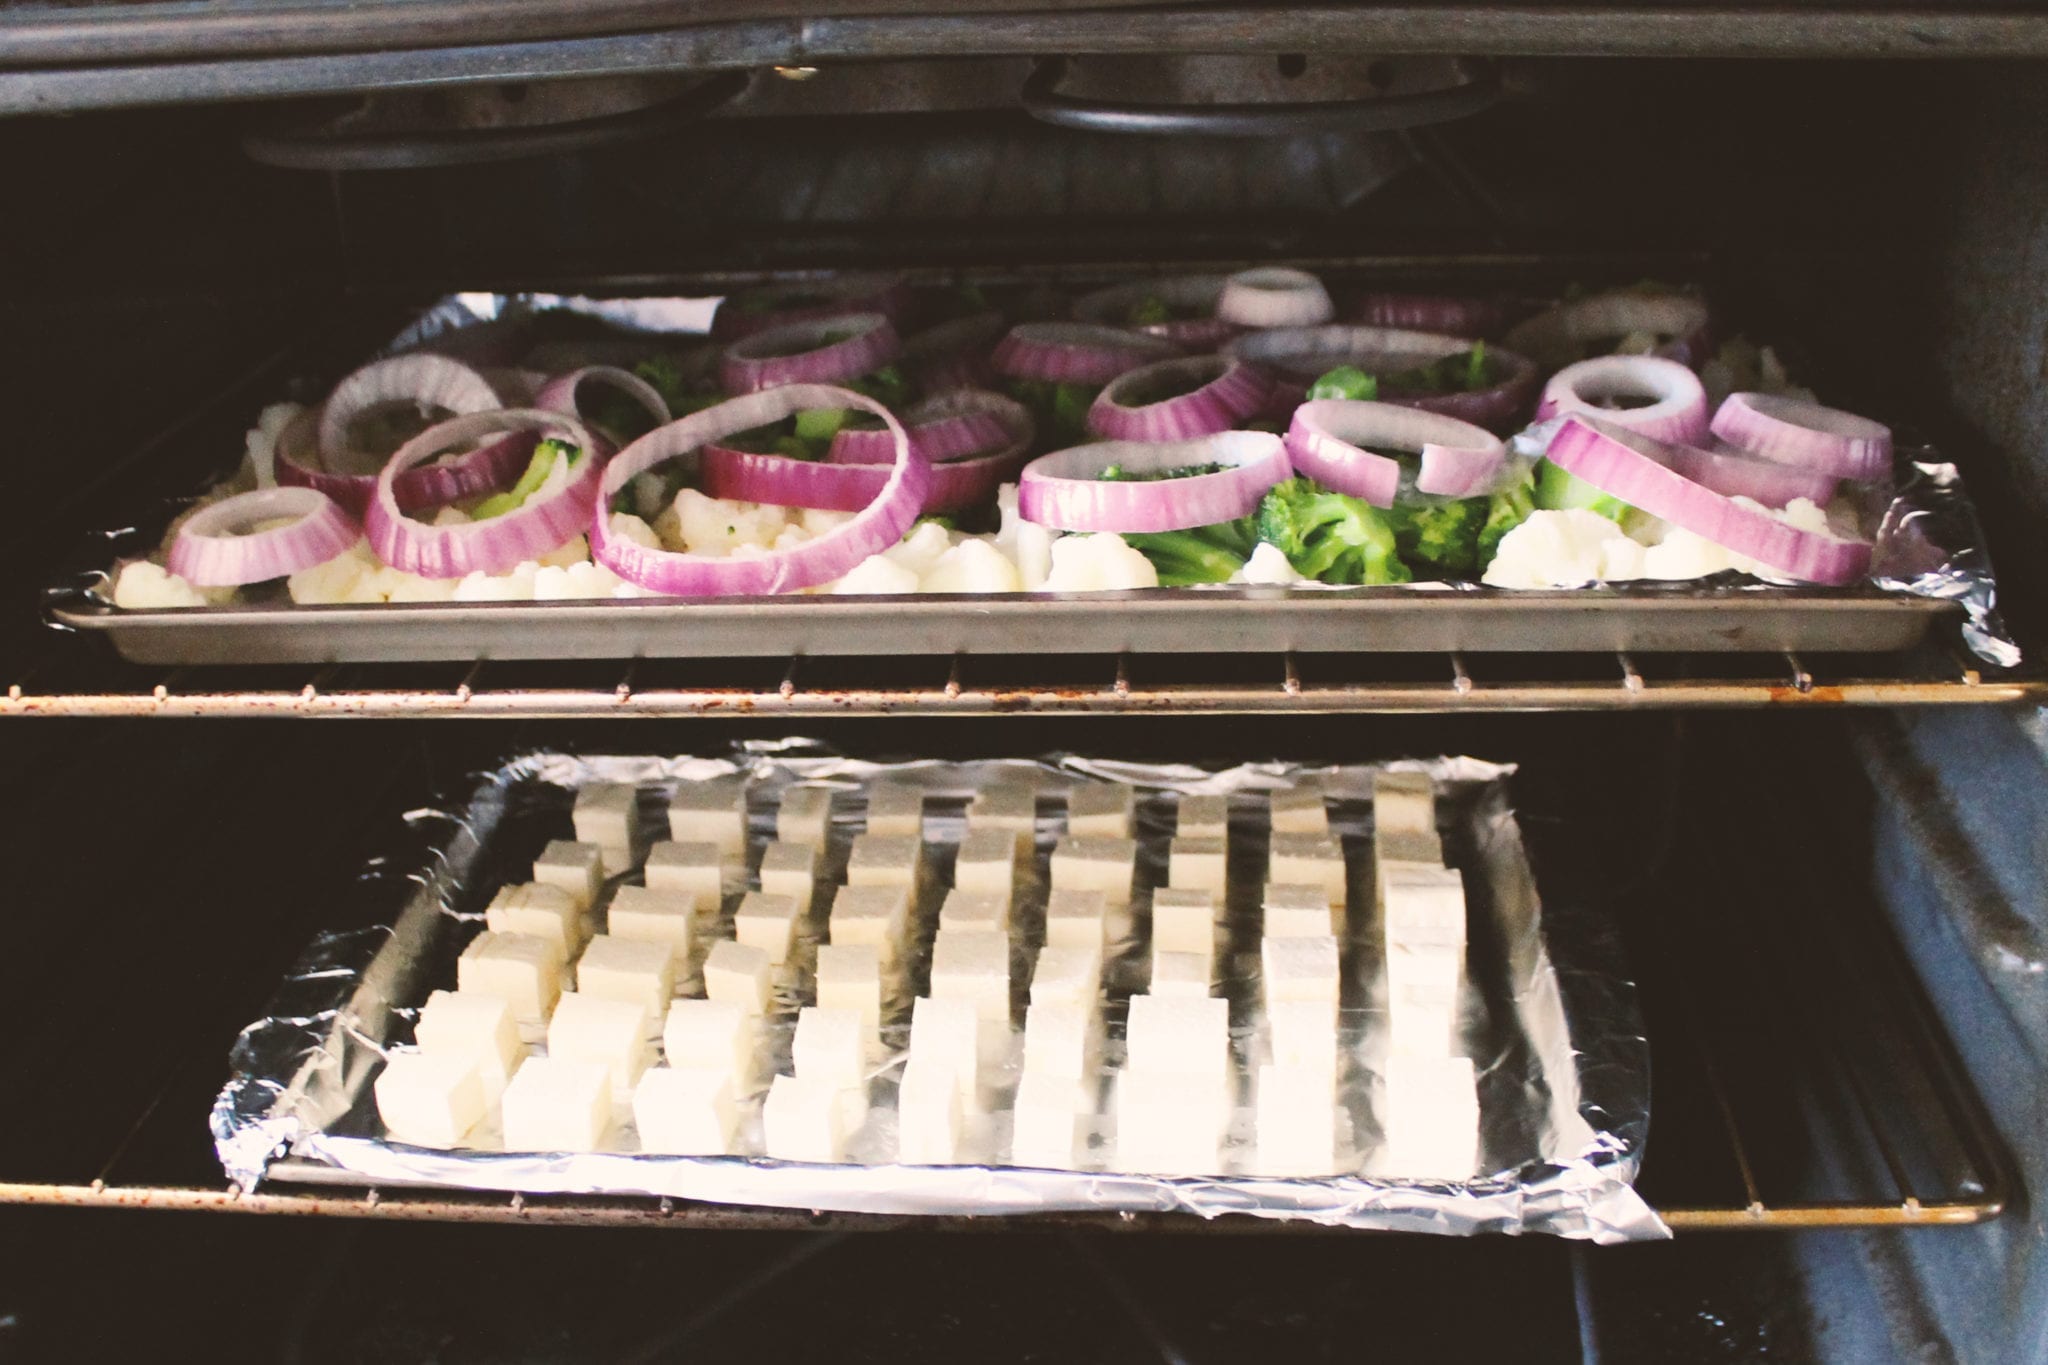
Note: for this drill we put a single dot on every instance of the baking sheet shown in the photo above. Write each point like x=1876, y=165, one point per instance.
x=1550, y=1020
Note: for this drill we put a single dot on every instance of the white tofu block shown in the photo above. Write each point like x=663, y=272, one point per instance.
x=1096, y=863
x=1006, y=806
x=810, y=1120
x=739, y=975
x=1298, y=810
x=950, y=1031
x=1101, y=810
x=1297, y=1121
x=1408, y=846
x=1076, y=919
x=1298, y=912
x=644, y=915
x=1071, y=974
x=928, y=1113
x=1423, y=906
x=1179, y=1035
x=790, y=870
x=895, y=811
x=632, y=970
x=1063, y=1038
x=1303, y=1034
x=607, y=814
x=1308, y=860
x=982, y=912
x=539, y=909
x=1203, y=817
x=1424, y=1030
x=987, y=863
x=805, y=816
x=713, y=812
x=690, y=869
x=1403, y=802
x=850, y=978
x=1423, y=974
x=1431, y=1117
x=1047, y=1124
x=1180, y=974
x=766, y=921
x=576, y=868
x=479, y=1027
x=1184, y=920
x=872, y=915
x=967, y=965
x=1197, y=864
x=831, y=1045
x=1301, y=969
x=610, y=1033
x=686, y=1111
x=1168, y=1124
x=430, y=1099
x=715, y=1034
x=885, y=860
x=557, y=1105
x=520, y=969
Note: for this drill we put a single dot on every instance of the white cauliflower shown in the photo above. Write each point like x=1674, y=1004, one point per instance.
x=1103, y=562
x=515, y=586
x=1681, y=554
x=819, y=521
x=1267, y=565
x=1561, y=550
x=143, y=586
x=974, y=565
x=718, y=526
x=790, y=537
x=399, y=586
x=876, y=574
x=451, y=515
x=921, y=548
x=260, y=445
x=1028, y=544
x=554, y=583
x=571, y=552
x=337, y=579
x=626, y=526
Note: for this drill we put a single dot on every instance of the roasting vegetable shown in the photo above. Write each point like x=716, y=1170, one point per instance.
x=1205, y=554
x=1329, y=536
x=545, y=453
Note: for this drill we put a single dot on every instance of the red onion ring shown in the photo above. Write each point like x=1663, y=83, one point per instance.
x=877, y=526
x=1329, y=440
x=557, y=511
x=1740, y=474
x=1076, y=352
x=564, y=392
x=889, y=295
x=433, y=485
x=955, y=354
x=945, y=426
x=1805, y=435
x=1295, y=357
x=218, y=547
x=1559, y=336
x=1640, y=471
x=1109, y=307
x=1458, y=315
x=1228, y=393
x=799, y=354
x=1274, y=296
x=1062, y=490
x=425, y=379
x=1677, y=407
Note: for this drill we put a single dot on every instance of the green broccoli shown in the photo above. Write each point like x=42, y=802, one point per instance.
x=1201, y=554
x=1150, y=311
x=1060, y=409
x=665, y=374
x=1346, y=381
x=1506, y=510
x=886, y=386
x=1440, y=535
x=1329, y=536
x=545, y=453
x=1558, y=491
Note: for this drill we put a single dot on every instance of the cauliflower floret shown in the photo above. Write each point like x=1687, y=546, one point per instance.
x=1103, y=562
x=573, y=551
x=335, y=580
x=1028, y=544
x=921, y=549
x=554, y=583
x=877, y=574
x=1561, y=550
x=400, y=586
x=820, y=521
x=718, y=526
x=142, y=586
x=451, y=515
x=260, y=445
x=626, y=526
x=790, y=537
x=1680, y=554
x=516, y=586
x=974, y=565
x=1267, y=565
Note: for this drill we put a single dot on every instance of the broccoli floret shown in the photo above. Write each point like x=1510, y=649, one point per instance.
x=1346, y=381
x=1201, y=554
x=1440, y=534
x=1506, y=510
x=886, y=386
x=1116, y=473
x=665, y=374
x=1061, y=409
x=1329, y=536
x=1150, y=311
x=1559, y=491
x=545, y=453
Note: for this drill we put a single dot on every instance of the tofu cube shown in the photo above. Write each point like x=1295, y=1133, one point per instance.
x=686, y=1111
x=1203, y=817
x=607, y=814
x=521, y=969
x=790, y=870
x=1101, y=810
x=928, y=1113
x=1301, y=969
x=1429, y=1029
x=1297, y=1121
x=1303, y=1034
x=1308, y=860
x=1298, y=810
x=1298, y=912
x=805, y=816
x=982, y=912
x=1408, y=846
x=1063, y=1038
x=1423, y=974
x=973, y=966
x=1431, y=1118
x=895, y=811
x=885, y=860
x=1047, y=1126
x=875, y=916
x=766, y=921
x=831, y=1045
x=576, y=868
x=632, y=970
x=641, y=914
x=1076, y=919
x=1178, y=1035
x=544, y=911
x=1168, y=1124
x=688, y=869
x=712, y=812
x=737, y=974
x=1199, y=865
x=557, y=1105
x=1072, y=974
x=850, y=978
x=429, y=1099
x=1184, y=920
x=1180, y=974
x=609, y=1033
x=1403, y=802
x=1005, y=806
x=714, y=1034
x=478, y=1027
x=949, y=1030
x=1424, y=906
x=987, y=864
x=810, y=1120
x=1096, y=863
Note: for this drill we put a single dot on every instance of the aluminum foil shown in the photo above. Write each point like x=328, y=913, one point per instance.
x=1550, y=1020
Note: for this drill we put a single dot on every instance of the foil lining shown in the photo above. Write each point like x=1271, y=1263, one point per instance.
x=1550, y=1018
